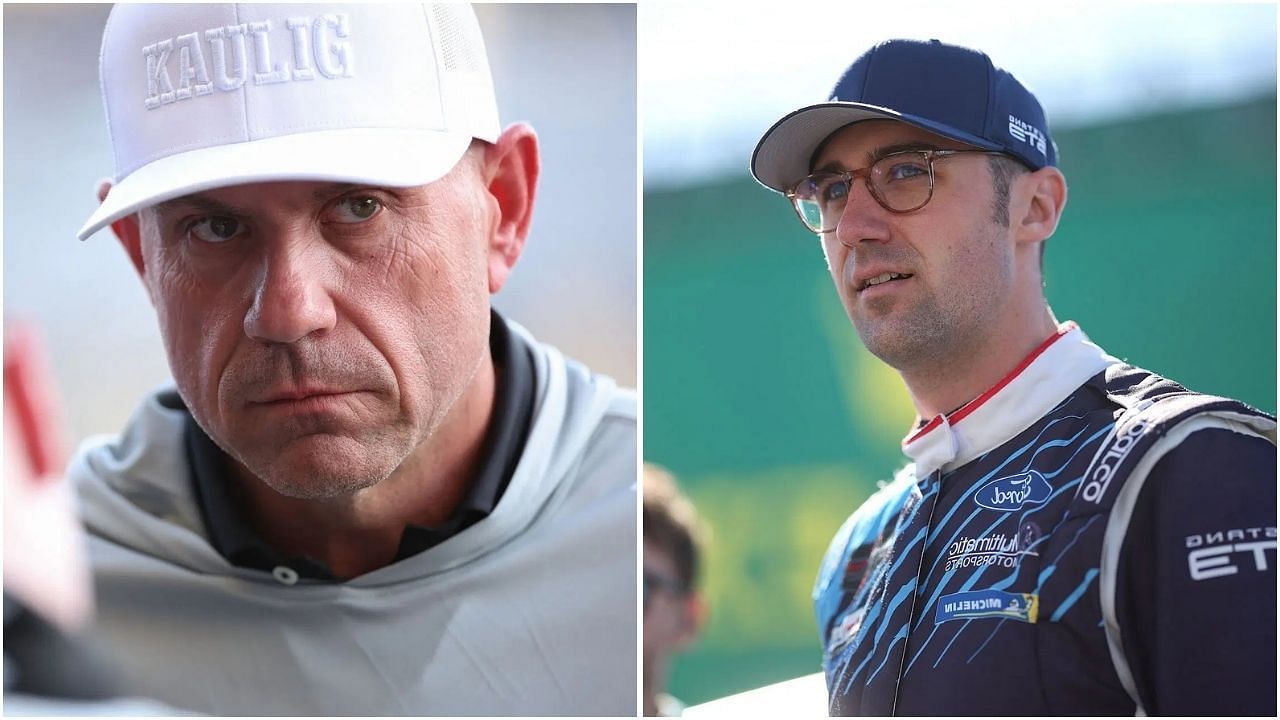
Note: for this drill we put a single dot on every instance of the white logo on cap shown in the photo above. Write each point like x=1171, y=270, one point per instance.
x=1026, y=133
x=322, y=39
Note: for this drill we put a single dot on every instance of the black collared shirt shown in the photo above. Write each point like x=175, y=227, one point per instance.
x=235, y=539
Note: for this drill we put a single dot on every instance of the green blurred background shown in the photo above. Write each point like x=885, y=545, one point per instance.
x=759, y=397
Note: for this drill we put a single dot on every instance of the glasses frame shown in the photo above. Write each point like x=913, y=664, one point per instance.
x=851, y=175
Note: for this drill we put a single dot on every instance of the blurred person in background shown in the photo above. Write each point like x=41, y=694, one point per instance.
x=368, y=491
x=1073, y=535
x=52, y=666
x=674, y=611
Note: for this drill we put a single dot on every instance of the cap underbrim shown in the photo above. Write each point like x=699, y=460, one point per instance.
x=377, y=156
x=782, y=156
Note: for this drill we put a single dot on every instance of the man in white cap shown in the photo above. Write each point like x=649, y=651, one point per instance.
x=368, y=493
x=1073, y=535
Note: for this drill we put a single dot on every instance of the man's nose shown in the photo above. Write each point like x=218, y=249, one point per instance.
x=863, y=217
x=291, y=298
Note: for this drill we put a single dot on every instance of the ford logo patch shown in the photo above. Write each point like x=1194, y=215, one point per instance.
x=1014, y=491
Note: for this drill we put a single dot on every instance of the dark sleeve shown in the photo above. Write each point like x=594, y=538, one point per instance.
x=1196, y=586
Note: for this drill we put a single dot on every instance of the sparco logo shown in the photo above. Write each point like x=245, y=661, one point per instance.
x=1027, y=133
x=1014, y=491
x=1105, y=467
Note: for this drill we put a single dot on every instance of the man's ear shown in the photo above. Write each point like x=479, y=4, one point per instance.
x=1043, y=195
x=693, y=615
x=127, y=231
x=510, y=172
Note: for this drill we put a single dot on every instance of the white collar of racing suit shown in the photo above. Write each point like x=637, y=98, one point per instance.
x=1044, y=378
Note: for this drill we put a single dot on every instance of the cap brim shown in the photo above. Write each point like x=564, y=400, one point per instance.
x=376, y=156
x=782, y=156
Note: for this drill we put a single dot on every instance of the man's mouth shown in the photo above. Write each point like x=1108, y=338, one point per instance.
x=883, y=278
x=298, y=395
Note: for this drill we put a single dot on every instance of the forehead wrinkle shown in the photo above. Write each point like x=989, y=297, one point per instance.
x=199, y=202
x=324, y=192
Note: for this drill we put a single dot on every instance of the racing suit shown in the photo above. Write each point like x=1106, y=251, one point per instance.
x=1085, y=538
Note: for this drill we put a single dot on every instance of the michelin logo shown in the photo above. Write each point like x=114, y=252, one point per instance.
x=1027, y=133
x=977, y=604
x=1014, y=491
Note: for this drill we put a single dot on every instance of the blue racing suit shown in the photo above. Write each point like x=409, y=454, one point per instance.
x=1085, y=538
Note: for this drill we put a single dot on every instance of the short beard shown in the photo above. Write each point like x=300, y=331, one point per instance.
x=371, y=460
x=330, y=480
x=922, y=343
x=938, y=333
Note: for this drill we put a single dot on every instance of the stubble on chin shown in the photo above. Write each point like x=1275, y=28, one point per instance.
x=904, y=337
x=941, y=322
x=320, y=467
x=312, y=456
x=312, y=465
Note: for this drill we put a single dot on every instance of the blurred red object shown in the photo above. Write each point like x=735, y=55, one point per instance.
x=31, y=402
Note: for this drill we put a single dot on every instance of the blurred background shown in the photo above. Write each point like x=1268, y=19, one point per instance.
x=757, y=393
x=568, y=70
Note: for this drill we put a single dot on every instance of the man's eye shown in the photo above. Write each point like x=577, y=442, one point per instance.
x=216, y=229
x=907, y=171
x=356, y=209
x=836, y=189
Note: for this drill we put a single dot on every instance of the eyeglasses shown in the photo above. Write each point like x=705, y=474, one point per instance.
x=901, y=182
x=658, y=583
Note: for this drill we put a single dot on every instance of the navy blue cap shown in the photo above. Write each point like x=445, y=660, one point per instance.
x=946, y=89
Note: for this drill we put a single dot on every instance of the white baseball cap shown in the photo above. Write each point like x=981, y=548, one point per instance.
x=206, y=96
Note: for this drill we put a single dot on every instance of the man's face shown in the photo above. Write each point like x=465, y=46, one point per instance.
x=957, y=260
x=320, y=332
x=670, y=621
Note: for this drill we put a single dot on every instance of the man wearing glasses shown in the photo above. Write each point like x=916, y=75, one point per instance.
x=673, y=608
x=1073, y=535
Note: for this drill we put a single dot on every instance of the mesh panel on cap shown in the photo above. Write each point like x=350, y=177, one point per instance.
x=459, y=39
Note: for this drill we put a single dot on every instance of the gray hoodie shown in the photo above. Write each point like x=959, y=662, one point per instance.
x=531, y=611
